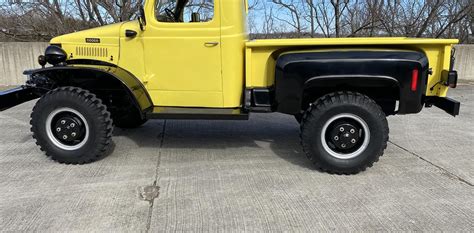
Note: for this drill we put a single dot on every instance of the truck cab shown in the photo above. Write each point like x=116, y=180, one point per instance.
x=192, y=59
x=193, y=52
x=185, y=53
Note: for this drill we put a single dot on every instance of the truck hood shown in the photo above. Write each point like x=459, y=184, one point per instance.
x=100, y=44
x=108, y=34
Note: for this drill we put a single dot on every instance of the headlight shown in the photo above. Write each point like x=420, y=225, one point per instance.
x=55, y=55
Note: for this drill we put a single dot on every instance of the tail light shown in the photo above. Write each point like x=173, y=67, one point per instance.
x=414, y=80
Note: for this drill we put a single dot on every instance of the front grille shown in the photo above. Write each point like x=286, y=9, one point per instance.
x=91, y=51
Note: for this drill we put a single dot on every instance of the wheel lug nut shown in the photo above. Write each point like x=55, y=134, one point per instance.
x=72, y=125
x=58, y=129
x=65, y=137
x=341, y=129
x=336, y=138
x=353, y=131
x=73, y=134
x=343, y=145
x=63, y=122
x=353, y=141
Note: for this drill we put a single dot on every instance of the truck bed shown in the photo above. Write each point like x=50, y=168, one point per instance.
x=261, y=55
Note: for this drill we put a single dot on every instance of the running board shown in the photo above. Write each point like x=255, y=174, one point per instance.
x=197, y=113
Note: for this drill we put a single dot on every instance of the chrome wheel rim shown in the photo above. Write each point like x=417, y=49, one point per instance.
x=67, y=129
x=345, y=136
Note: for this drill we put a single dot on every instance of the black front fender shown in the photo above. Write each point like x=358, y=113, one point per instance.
x=98, y=76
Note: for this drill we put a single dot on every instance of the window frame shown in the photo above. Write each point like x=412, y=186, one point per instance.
x=212, y=21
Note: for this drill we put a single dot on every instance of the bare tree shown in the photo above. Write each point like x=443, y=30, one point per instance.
x=44, y=19
x=291, y=14
x=40, y=20
x=351, y=18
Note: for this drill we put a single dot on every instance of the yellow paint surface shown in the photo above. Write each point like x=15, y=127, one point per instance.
x=179, y=68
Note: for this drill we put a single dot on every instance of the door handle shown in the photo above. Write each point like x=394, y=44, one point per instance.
x=211, y=44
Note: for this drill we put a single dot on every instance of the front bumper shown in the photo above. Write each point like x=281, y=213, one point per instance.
x=13, y=97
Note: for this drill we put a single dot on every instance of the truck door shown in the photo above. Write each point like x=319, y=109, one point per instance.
x=183, y=53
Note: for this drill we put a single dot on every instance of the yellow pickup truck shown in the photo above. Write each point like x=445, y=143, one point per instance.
x=192, y=59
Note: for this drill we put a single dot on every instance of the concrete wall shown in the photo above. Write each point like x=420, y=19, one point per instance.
x=15, y=57
x=465, y=61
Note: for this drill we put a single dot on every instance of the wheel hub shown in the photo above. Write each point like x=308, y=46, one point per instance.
x=68, y=129
x=345, y=136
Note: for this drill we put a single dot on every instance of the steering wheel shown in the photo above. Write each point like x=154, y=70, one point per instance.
x=170, y=14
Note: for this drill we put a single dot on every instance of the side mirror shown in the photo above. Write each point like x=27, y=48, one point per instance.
x=142, y=18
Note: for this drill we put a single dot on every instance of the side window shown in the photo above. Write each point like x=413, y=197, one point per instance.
x=184, y=11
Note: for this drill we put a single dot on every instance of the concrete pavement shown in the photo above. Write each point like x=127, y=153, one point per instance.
x=242, y=176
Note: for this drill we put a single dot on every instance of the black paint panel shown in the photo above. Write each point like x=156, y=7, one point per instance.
x=447, y=104
x=13, y=97
x=297, y=71
x=88, y=73
x=198, y=113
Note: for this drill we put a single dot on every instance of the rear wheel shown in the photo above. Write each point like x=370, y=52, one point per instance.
x=72, y=126
x=344, y=133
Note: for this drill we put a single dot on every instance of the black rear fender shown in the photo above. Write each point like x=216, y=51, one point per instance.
x=384, y=90
x=383, y=75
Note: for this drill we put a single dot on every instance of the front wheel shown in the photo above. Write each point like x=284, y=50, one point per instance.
x=72, y=126
x=344, y=133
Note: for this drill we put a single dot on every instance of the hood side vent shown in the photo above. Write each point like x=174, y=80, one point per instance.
x=84, y=51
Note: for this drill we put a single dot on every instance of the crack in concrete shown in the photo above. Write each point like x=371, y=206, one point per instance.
x=155, y=182
x=449, y=173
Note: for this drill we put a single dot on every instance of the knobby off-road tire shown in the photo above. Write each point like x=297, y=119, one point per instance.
x=72, y=126
x=344, y=133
